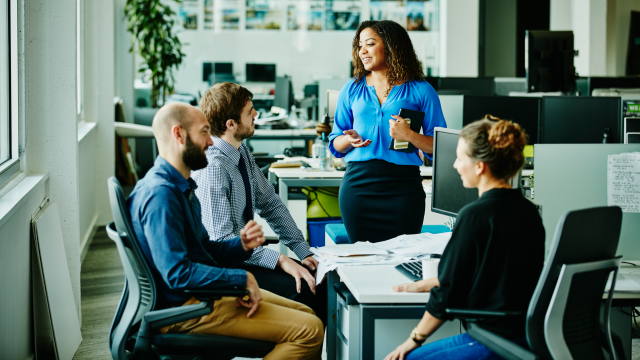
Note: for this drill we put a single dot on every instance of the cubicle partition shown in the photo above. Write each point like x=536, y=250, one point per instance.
x=452, y=110
x=574, y=176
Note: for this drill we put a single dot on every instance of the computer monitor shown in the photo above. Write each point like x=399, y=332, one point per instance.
x=283, y=93
x=523, y=110
x=261, y=72
x=223, y=68
x=549, y=61
x=448, y=194
x=332, y=101
x=580, y=120
x=586, y=85
x=207, y=69
x=465, y=86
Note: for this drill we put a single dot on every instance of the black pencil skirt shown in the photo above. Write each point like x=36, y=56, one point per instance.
x=380, y=200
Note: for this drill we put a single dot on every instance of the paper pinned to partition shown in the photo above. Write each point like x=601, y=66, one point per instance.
x=623, y=181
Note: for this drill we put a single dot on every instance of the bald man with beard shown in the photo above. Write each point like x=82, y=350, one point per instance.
x=166, y=219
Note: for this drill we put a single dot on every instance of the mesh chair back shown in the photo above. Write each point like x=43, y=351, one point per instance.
x=140, y=294
x=581, y=236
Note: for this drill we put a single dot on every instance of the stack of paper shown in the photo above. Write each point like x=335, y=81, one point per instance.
x=394, y=251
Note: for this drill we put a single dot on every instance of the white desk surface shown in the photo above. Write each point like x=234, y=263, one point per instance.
x=309, y=172
x=371, y=284
x=285, y=132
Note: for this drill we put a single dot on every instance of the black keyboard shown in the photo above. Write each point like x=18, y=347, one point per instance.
x=413, y=270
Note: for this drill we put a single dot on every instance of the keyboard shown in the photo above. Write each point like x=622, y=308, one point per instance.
x=413, y=269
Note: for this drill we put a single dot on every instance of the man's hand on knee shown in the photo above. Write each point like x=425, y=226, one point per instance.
x=252, y=300
x=298, y=272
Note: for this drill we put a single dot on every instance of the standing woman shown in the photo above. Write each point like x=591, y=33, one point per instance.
x=381, y=195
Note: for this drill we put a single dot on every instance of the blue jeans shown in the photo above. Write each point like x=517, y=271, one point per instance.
x=459, y=347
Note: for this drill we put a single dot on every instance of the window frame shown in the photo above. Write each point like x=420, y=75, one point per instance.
x=12, y=166
x=80, y=96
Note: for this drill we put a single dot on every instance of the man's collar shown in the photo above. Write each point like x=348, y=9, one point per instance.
x=227, y=149
x=174, y=175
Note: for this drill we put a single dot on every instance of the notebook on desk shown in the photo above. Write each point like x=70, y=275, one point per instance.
x=414, y=118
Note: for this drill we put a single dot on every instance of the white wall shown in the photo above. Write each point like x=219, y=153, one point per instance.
x=459, y=22
x=99, y=92
x=87, y=190
x=124, y=60
x=50, y=113
x=588, y=21
x=305, y=56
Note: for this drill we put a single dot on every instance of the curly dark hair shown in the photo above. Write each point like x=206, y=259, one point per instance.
x=400, y=57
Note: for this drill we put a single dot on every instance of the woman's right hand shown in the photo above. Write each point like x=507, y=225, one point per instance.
x=355, y=139
x=418, y=286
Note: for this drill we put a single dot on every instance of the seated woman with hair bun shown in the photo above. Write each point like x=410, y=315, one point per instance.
x=496, y=252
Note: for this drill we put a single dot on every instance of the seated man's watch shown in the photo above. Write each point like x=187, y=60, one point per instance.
x=414, y=337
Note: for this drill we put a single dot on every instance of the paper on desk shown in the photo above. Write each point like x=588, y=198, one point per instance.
x=623, y=181
x=629, y=283
x=416, y=244
x=359, y=248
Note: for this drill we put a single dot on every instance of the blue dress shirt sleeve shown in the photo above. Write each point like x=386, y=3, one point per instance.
x=433, y=113
x=163, y=227
x=343, y=119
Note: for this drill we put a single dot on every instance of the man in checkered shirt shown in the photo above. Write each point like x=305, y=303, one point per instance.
x=227, y=205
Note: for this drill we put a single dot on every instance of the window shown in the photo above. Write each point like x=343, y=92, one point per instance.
x=5, y=123
x=80, y=59
x=9, y=149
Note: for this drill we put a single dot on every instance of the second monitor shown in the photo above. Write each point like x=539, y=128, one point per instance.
x=521, y=110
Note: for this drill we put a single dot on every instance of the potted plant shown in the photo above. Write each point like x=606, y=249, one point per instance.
x=151, y=24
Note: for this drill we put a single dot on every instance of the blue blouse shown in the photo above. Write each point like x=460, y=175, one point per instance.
x=358, y=108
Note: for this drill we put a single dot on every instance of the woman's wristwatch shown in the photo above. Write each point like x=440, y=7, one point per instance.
x=415, y=334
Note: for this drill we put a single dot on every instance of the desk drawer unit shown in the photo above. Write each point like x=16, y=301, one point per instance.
x=347, y=330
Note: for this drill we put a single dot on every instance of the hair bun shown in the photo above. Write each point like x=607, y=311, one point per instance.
x=506, y=135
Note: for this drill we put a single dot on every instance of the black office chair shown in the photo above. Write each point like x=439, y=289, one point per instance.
x=562, y=321
x=134, y=331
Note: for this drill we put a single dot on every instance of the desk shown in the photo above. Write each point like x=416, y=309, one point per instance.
x=353, y=333
x=286, y=177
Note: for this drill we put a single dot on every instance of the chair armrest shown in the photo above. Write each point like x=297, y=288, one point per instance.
x=271, y=240
x=499, y=345
x=165, y=317
x=471, y=314
x=206, y=295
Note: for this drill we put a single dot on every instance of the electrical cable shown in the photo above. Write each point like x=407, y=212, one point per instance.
x=315, y=193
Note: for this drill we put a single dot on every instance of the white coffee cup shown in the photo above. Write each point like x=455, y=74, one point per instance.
x=430, y=268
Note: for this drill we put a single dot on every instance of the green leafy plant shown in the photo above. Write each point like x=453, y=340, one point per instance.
x=151, y=23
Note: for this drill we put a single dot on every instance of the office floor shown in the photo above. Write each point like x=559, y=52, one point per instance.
x=102, y=279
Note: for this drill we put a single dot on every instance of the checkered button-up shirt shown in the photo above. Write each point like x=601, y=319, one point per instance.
x=222, y=195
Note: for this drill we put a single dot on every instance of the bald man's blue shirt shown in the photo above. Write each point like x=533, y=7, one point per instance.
x=358, y=108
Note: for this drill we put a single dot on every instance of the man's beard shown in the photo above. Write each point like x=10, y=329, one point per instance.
x=193, y=156
x=244, y=132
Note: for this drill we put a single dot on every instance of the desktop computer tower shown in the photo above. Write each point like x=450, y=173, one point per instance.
x=631, y=128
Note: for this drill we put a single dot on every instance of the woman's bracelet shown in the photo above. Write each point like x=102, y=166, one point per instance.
x=415, y=334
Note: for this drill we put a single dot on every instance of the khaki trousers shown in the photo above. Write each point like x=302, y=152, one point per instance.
x=294, y=327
